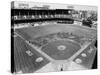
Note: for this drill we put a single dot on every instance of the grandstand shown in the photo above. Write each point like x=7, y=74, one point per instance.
x=33, y=16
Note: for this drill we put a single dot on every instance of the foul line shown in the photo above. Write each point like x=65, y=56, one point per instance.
x=81, y=50
x=37, y=49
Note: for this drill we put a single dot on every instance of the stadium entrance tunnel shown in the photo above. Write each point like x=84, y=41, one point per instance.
x=61, y=49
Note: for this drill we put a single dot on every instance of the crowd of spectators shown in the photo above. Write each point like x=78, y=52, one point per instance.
x=80, y=17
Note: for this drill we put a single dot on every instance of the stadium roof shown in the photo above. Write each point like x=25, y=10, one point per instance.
x=18, y=4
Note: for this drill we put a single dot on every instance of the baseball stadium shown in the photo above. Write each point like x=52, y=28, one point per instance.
x=55, y=44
